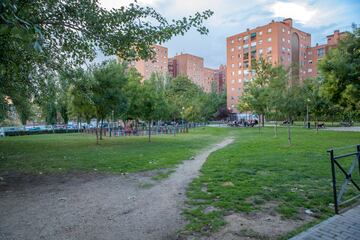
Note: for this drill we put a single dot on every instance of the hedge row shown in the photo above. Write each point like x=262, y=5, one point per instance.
x=48, y=131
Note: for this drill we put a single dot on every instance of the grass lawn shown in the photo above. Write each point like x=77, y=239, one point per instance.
x=79, y=152
x=258, y=169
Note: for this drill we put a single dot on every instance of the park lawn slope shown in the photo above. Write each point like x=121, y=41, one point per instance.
x=79, y=152
x=258, y=170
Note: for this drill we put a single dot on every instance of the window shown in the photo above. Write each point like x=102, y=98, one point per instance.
x=283, y=29
x=239, y=39
x=232, y=89
x=232, y=49
x=246, y=38
x=232, y=41
x=246, y=46
x=269, y=39
x=321, y=52
x=310, y=61
x=253, y=44
x=288, y=40
x=269, y=30
x=260, y=33
x=309, y=70
x=239, y=64
x=260, y=52
x=239, y=80
x=269, y=59
x=246, y=56
x=239, y=72
x=246, y=72
x=309, y=53
x=268, y=50
x=232, y=73
x=233, y=81
x=232, y=65
x=283, y=39
x=289, y=32
x=239, y=47
x=260, y=42
x=253, y=36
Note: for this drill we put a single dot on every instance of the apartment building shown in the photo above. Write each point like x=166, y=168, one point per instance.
x=276, y=42
x=316, y=53
x=158, y=64
x=193, y=67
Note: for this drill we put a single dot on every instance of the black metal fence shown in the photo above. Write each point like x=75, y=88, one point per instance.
x=144, y=131
x=336, y=163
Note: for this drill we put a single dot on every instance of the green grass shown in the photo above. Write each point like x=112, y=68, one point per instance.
x=258, y=168
x=79, y=152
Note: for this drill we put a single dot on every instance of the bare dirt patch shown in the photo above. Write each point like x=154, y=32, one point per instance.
x=263, y=224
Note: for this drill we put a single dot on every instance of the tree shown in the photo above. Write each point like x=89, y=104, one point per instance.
x=256, y=91
x=79, y=94
x=277, y=87
x=41, y=37
x=107, y=92
x=317, y=104
x=341, y=71
x=155, y=105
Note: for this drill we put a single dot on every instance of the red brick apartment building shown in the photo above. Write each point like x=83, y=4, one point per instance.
x=316, y=53
x=193, y=67
x=184, y=64
x=158, y=64
x=277, y=42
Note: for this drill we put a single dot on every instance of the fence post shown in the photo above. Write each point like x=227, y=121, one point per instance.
x=334, y=180
x=358, y=156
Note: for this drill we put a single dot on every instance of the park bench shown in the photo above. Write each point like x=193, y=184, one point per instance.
x=321, y=125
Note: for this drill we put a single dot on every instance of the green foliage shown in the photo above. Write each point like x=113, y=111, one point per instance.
x=341, y=71
x=41, y=38
x=107, y=90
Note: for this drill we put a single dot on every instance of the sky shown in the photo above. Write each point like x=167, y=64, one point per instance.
x=317, y=17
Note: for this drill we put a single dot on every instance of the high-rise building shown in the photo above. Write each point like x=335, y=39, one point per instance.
x=316, y=53
x=158, y=64
x=276, y=42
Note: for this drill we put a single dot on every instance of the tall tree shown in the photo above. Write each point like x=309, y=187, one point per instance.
x=108, y=94
x=341, y=71
x=38, y=37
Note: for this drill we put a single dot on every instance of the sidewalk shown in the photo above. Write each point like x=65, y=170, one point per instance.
x=342, y=226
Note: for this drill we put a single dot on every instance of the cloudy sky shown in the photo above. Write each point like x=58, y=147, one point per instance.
x=318, y=17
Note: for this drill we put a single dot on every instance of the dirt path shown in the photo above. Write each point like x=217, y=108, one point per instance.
x=99, y=206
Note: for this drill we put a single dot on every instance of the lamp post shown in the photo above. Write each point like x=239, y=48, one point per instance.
x=307, y=113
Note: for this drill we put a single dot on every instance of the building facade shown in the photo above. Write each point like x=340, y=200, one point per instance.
x=193, y=67
x=158, y=64
x=316, y=53
x=276, y=42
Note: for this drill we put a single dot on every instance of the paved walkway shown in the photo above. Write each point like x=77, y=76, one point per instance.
x=342, y=226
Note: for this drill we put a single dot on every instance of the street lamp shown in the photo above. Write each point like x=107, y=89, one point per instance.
x=307, y=113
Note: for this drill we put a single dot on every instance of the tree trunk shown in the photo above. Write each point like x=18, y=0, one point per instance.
x=317, y=125
x=101, y=129
x=96, y=131
x=263, y=120
x=174, y=127
x=259, y=125
x=275, y=127
x=289, y=132
x=149, y=131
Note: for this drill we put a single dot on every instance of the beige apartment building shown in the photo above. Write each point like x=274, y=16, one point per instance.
x=276, y=42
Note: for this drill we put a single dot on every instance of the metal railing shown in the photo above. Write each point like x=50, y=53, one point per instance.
x=335, y=163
